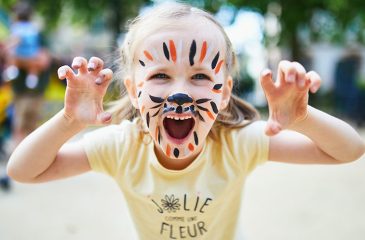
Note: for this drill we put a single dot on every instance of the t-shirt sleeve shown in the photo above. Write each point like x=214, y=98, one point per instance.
x=252, y=145
x=105, y=148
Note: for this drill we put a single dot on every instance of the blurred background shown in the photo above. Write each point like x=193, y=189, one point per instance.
x=281, y=201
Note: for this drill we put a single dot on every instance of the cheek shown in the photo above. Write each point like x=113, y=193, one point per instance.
x=207, y=93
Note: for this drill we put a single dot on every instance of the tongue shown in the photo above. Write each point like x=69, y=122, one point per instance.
x=178, y=128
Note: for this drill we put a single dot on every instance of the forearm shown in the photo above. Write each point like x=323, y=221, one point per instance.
x=38, y=150
x=332, y=135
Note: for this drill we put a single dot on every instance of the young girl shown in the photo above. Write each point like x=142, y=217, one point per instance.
x=182, y=154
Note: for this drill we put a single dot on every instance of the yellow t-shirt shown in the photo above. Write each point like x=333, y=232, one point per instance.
x=201, y=201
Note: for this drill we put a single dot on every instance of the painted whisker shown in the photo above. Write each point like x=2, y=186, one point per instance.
x=154, y=115
x=157, y=106
x=157, y=99
x=202, y=108
x=214, y=107
x=200, y=116
x=202, y=100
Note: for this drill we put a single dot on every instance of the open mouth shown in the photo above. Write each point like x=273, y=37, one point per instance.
x=178, y=127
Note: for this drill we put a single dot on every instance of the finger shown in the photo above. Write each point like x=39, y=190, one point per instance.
x=300, y=75
x=104, y=77
x=286, y=72
x=95, y=65
x=266, y=81
x=272, y=127
x=65, y=72
x=80, y=64
x=315, y=81
x=104, y=118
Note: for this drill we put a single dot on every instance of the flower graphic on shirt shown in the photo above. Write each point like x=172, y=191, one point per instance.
x=170, y=203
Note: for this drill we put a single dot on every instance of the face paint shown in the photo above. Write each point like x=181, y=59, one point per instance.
x=180, y=110
x=203, y=52
x=192, y=53
x=179, y=121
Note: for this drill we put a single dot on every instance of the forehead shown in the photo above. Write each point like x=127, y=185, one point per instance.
x=183, y=34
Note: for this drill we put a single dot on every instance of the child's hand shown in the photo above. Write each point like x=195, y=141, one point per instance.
x=85, y=91
x=288, y=96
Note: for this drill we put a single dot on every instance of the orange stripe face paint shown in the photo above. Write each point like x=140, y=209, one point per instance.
x=156, y=133
x=210, y=115
x=191, y=147
x=203, y=52
x=172, y=50
x=168, y=150
x=218, y=66
x=140, y=84
x=216, y=91
x=148, y=55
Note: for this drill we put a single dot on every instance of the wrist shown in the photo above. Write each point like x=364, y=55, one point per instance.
x=302, y=122
x=70, y=123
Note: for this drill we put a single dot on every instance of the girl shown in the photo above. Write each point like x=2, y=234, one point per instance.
x=183, y=152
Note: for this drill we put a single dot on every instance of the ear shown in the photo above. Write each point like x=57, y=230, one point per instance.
x=226, y=93
x=131, y=89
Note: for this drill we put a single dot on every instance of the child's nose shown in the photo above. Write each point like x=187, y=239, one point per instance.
x=179, y=98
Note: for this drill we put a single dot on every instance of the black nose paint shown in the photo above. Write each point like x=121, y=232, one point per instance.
x=180, y=98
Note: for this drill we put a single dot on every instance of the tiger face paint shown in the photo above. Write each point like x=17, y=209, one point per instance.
x=179, y=85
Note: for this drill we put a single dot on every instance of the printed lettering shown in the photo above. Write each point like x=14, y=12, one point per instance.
x=205, y=204
x=201, y=227
x=185, y=208
x=182, y=231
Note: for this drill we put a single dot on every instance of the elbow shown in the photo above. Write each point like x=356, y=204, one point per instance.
x=13, y=173
x=356, y=153
x=16, y=174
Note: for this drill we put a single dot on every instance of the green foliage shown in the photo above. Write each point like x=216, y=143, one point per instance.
x=330, y=20
x=113, y=12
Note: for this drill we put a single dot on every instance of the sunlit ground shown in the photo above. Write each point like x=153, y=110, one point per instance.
x=282, y=202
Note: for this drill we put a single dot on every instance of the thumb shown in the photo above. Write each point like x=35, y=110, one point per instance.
x=272, y=127
x=104, y=118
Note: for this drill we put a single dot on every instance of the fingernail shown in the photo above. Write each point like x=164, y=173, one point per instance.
x=62, y=72
x=291, y=78
x=76, y=63
x=91, y=66
x=266, y=73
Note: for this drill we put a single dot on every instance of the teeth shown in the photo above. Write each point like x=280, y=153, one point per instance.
x=178, y=118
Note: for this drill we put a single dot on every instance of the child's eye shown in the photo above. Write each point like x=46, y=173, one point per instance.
x=200, y=76
x=159, y=76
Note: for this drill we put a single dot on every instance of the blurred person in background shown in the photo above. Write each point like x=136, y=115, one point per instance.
x=25, y=47
x=28, y=64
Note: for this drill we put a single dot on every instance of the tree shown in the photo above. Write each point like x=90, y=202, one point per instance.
x=297, y=15
x=115, y=12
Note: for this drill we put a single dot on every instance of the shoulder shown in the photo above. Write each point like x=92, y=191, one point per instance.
x=117, y=133
x=252, y=130
x=108, y=147
x=248, y=145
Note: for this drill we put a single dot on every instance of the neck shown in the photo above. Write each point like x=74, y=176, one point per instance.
x=173, y=163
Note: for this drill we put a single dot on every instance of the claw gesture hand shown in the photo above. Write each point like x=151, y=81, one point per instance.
x=288, y=96
x=85, y=91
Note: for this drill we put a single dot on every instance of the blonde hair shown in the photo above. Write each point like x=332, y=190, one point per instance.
x=237, y=114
